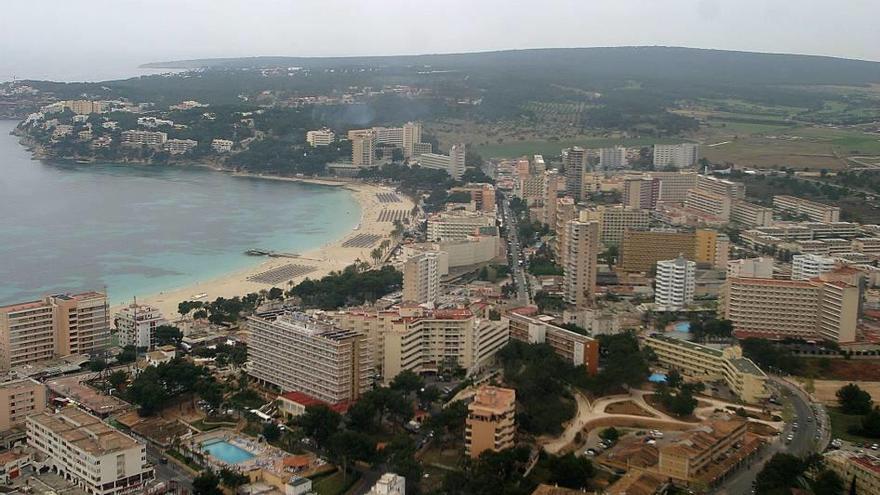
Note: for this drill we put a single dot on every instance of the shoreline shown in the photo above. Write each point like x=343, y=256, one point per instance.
x=332, y=256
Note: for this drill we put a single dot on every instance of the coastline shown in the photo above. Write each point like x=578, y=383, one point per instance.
x=325, y=259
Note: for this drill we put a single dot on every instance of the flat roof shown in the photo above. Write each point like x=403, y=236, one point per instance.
x=85, y=431
x=688, y=344
x=746, y=365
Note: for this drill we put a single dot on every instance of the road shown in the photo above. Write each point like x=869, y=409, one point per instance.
x=805, y=440
x=170, y=471
x=515, y=256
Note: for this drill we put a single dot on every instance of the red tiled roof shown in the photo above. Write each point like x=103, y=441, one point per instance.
x=307, y=400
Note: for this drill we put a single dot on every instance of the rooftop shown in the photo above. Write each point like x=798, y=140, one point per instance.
x=746, y=365
x=85, y=431
x=687, y=344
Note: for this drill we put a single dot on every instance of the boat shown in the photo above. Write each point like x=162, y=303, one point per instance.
x=256, y=252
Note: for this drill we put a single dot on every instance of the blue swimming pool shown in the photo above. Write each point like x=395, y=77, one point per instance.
x=226, y=452
x=657, y=378
x=683, y=326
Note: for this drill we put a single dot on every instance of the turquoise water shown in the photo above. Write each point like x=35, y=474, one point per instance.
x=682, y=326
x=657, y=378
x=139, y=229
x=227, y=452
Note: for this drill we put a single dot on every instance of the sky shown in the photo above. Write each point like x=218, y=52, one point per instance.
x=100, y=39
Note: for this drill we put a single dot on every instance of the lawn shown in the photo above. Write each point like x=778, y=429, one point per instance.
x=840, y=424
x=335, y=483
x=513, y=148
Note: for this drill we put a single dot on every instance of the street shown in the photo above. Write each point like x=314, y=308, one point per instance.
x=805, y=440
x=169, y=471
x=515, y=257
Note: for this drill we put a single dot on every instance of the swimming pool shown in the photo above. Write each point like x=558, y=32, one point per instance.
x=657, y=378
x=683, y=326
x=226, y=452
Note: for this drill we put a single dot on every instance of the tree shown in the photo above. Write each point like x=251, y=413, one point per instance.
x=276, y=293
x=117, y=379
x=376, y=254
x=206, y=483
x=212, y=393
x=611, y=434
x=320, y=422
x=870, y=426
x=168, y=335
x=570, y=471
x=97, y=365
x=854, y=400
x=128, y=355
x=233, y=479
x=828, y=482
x=271, y=432
x=346, y=447
x=407, y=382
x=673, y=378
x=780, y=473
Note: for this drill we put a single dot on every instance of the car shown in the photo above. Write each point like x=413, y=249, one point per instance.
x=590, y=452
x=875, y=446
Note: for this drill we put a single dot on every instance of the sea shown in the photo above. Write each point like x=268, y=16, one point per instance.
x=136, y=230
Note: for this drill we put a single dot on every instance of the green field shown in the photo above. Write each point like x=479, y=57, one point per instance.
x=335, y=484
x=514, y=149
x=840, y=423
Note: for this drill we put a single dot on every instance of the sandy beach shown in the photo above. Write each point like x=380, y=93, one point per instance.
x=321, y=261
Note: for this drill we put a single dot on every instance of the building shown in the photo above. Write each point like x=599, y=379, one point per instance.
x=615, y=220
x=153, y=122
x=750, y=214
x=136, y=325
x=581, y=264
x=19, y=399
x=82, y=449
x=702, y=363
x=721, y=187
x=862, y=470
x=816, y=212
x=57, y=325
x=779, y=309
x=293, y=404
x=180, y=146
x=457, y=225
x=807, y=266
x=320, y=137
x=409, y=337
x=482, y=196
x=82, y=107
x=565, y=212
x=491, y=421
x=294, y=352
x=712, y=248
x=421, y=278
x=363, y=147
x=389, y=484
x=689, y=458
x=709, y=204
x=676, y=282
x=453, y=163
x=412, y=138
x=613, y=157
x=148, y=138
x=572, y=347
x=640, y=250
x=641, y=192
x=750, y=268
x=684, y=155
x=221, y=145
x=674, y=185
x=574, y=163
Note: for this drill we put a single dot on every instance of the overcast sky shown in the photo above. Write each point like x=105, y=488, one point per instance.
x=95, y=39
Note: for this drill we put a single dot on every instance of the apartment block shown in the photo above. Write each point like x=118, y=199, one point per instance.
x=363, y=147
x=675, y=185
x=613, y=157
x=453, y=163
x=721, y=187
x=294, y=352
x=552, y=183
x=19, y=399
x=574, y=163
x=707, y=364
x=641, y=192
x=95, y=457
x=615, y=220
x=57, y=325
x=421, y=278
x=855, y=469
x=750, y=214
x=709, y=204
x=779, y=309
x=750, y=268
x=572, y=347
x=409, y=337
x=320, y=137
x=565, y=212
x=148, y=138
x=816, y=212
x=682, y=155
x=483, y=195
x=221, y=145
x=491, y=421
x=866, y=245
x=675, y=284
x=691, y=457
x=581, y=264
x=179, y=146
x=807, y=266
x=640, y=250
x=389, y=484
x=712, y=248
x=136, y=325
x=457, y=225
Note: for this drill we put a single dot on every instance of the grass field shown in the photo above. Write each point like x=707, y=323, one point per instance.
x=335, y=484
x=840, y=424
x=552, y=147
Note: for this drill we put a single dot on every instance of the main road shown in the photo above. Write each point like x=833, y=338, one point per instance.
x=810, y=436
x=515, y=256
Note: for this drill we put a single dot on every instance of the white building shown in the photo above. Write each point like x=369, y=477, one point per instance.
x=614, y=157
x=144, y=137
x=180, y=146
x=87, y=452
x=807, y=266
x=153, y=122
x=682, y=155
x=453, y=163
x=320, y=137
x=389, y=484
x=136, y=325
x=457, y=225
x=750, y=268
x=421, y=277
x=222, y=145
x=676, y=281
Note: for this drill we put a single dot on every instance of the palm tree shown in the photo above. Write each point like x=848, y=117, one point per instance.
x=376, y=254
